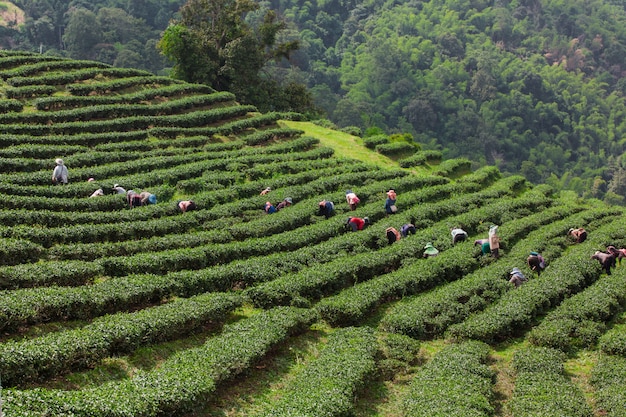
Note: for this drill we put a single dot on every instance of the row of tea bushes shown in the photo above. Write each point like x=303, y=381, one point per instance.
x=105, y=87
x=328, y=385
x=102, y=111
x=456, y=382
x=542, y=388
x=613, y=342
x=79, y=139
x=123, y=124
x=40, y=274
x=68, y=77
x=177, y=384
x=608, y=378
x=174, y=90
x=45, y=66
x=56, y=353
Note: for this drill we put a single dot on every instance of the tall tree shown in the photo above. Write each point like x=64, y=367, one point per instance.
x=212, y=44
x=82, y=34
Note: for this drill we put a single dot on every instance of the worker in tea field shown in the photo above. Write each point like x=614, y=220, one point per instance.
x=352, y=199
x=390, y=202
x=494, y=241
x=133, y=199
x=607, y=260
x=407, y=229
x=60, y=174
x=517, y=278
x=484, y=246
x=118, y=189
x=285, y=203
x=458, y=235
x=392, y=234
x=357, y=223
x=97, y=193
x=430, y=251
x=269, y=208
x=579, y=234
x=186, y=205
x=536, y=262
x=147, y=198
x=326, y=208
x=265, y=191
x=618, y=253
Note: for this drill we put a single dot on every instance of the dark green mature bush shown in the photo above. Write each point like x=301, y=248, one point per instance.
x=372, y=142
x=396, y=148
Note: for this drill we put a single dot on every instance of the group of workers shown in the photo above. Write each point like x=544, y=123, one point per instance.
x=269, y=208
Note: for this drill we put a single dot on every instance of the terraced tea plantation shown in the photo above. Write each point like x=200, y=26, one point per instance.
x=228, y=311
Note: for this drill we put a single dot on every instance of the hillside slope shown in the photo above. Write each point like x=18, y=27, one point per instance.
x=228, y=311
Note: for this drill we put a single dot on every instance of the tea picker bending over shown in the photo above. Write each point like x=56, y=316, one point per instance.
x=60, y=174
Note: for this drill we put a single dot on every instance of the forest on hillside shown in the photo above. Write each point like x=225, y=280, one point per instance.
x=533, y=86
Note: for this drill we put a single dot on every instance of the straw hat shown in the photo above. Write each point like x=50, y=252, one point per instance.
x=59, y=161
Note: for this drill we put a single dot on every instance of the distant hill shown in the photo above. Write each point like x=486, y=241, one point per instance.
x=108, y=310
x=11, y=15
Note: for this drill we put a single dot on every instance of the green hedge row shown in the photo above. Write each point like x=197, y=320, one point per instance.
x=10, y=105
x=453, y=167
x=124, y=124
x=608, y=377
x=11, y=59
x=264, y=136
x=117, y=110
x=176, y=385
x=396, y=148
x=29, y=91
x=613, y=342
x=104, y=87
x=16, y=251
x=328, y=385
x=40, y=151
x=542, y=388
x=420, y=158
x=57, y=353
x=456, y=382
x=234, y=127
x=174, y=90
x=64, y=273
x=86, y=139
x=372, y=141
x=68, y=77
x=31, y=69
x=516, y=310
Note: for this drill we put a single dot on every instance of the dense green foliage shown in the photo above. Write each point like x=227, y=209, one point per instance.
x=532, y=86
x=108, y=310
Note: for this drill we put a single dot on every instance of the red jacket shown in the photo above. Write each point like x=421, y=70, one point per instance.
x=360, y=223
